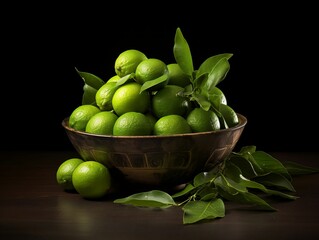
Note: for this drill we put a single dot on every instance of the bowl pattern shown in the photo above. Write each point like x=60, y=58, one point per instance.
x=157, y=160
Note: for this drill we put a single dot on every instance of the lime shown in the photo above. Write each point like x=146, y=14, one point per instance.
x=171, y=124
x=91, y=179
x=217, y=96
x=127, y=98
x=203, y=121
x=127, y=62
x=132, y=124
x=65, y=171
x=166, y=101
x=104, y=95
x=101, y=123
x=229, y=115
x=151, y=69
x=81, y=115
x=177, y=76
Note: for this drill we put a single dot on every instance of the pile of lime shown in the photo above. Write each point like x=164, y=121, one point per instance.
x=146, y=96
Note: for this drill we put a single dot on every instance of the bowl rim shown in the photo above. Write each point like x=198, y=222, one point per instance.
x=242, y=123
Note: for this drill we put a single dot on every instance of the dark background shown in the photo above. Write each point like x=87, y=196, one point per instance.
x=272, y=79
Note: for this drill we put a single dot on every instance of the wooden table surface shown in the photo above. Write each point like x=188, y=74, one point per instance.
x=33, y=206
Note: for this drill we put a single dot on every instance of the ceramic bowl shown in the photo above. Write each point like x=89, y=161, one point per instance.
x=157, y=160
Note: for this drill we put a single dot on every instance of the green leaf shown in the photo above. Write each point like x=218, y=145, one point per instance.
x=247, y=198
x=299, y=169
x=210, y=63
x=204, y=177
x=197, y=82
x=275, y=180
x=149, y=84
x=269, y=164
x=216, y=75
x=207, y=193
x=88, y=96
x=250, y=158
x=202, y=101
x=281, y=194
x=244, y=165
x=124, y=79
x=195, y=211
x=91, y=79
x=256, y=185
x=182, y=53
x=248, y=149
x=230, y=185
x=184, y=192
x=154, y=198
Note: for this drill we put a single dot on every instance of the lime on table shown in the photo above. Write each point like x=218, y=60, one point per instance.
x=65, y=171
x=91, y=179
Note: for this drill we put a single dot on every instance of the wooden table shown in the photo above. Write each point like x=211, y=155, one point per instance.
x=33, y=206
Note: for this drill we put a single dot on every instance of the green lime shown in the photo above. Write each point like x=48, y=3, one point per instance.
x=104, y=95
x=81, y=115
x=132, y=124
x=217, y=96
x=101, y=123
x=127, y=62
x=127, y=98
x=203, y=121
x=166, y=101
x=91, y=179
x=171, y=124
x=65, y=171
x=151, y=69
x=229, y=115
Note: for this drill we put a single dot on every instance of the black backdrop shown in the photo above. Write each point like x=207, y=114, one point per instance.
x=272, y=79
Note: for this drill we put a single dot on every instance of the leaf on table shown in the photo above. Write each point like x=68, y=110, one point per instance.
x=195, y=211
x=203, y=177
x=269, y=164
x=245, y=166
x=233, y=172
x=207, y=193
x=229, y=185
x=247, y=149
x=185, y=191
x=256, y=185
x=299, y=169
x=154, y=198
x=247, y=198
x=281, y=194
x=275, y=180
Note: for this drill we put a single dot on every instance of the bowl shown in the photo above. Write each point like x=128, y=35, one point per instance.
x=157, y=160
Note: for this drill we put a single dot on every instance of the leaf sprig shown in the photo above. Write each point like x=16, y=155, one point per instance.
x=246, y=177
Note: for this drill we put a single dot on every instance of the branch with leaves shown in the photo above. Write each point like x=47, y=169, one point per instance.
x=246, y=177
